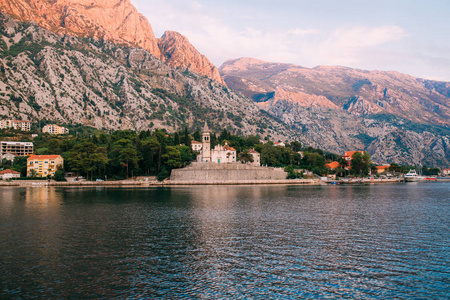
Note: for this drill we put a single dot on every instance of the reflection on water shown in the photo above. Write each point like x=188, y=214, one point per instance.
x=275, y=242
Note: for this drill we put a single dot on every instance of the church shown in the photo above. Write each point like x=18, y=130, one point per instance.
x=220, y=154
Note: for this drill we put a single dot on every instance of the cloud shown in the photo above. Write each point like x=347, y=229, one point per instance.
x=221, y=34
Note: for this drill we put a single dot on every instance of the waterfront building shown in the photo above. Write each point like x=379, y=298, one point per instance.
x=54, y=129
x=382, y=169
x=16, y=148
x=8, y=174
x=220, y=154
x=15, y=124
x=44, y=165
x=223, y=154
x=446, y=172
x=256, y=157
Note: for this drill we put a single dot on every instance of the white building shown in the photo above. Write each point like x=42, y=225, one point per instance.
x=279, y=144
x=7, y=174
x=445, y=172
x=223, y=154
x=15, y=124
x=196, y=146
x=8, y=156
x=256, y=157
x=220, y=154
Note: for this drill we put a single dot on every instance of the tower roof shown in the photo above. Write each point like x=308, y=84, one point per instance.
x=206, y=128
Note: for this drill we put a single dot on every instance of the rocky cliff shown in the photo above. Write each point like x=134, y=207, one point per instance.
x=179, y=53
x=115, y=21
x=112, y=20
x=396, y=117
x=95, y=83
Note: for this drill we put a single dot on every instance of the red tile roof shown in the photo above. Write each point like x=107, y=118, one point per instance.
x=226, y=147
x=350, y=153
x=333, y=165
x=8, y=171
x=43, y=157
x=195, y=142
x=382, y=167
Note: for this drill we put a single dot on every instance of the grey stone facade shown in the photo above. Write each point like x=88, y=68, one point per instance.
x=207, y=172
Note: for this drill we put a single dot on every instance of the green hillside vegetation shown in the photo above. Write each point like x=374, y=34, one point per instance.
x=92, y=153
x=118, y=155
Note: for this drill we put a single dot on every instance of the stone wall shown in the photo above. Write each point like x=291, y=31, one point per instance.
x=226, y=172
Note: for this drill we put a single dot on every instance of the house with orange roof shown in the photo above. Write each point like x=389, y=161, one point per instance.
x=382, y=169
x=348, y=154
x=333, y=165
x=43, y=165
x=279, y=144
x=445, y=172
x=196, y=146
x=7, y=174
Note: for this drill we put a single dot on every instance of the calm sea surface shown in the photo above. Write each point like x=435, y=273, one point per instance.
x=252, y=242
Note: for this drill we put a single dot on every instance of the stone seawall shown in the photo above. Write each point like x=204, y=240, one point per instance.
x=235, y=172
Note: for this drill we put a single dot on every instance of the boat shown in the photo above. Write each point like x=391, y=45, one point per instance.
x=412, y=176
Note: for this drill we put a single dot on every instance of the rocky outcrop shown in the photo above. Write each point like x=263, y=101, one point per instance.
x=117, y=21
x=179, y=53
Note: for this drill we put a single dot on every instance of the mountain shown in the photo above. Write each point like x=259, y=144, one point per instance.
x=68, y=79
x=396, y=117
x=179, y=53
x=359, y=92
x=116, y=21
x=113, y=20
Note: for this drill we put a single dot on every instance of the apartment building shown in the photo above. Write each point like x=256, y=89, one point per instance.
x=16, y=148
x=43, y=165
x=15, y=124
x=54, y=129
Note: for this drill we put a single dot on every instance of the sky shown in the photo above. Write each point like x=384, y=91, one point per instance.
x=408, y=36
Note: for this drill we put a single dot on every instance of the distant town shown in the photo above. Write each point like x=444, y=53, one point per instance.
x=91, y=154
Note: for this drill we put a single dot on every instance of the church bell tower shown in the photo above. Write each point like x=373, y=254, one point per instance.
x=206, y=144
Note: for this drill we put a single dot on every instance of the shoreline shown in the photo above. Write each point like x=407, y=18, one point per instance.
x=133, y=183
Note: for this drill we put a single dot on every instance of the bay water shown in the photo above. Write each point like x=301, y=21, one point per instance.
x=232, y=242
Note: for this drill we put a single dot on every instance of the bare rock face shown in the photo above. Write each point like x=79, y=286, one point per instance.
x=117, y=21
x=358, y=92
x=179, y=53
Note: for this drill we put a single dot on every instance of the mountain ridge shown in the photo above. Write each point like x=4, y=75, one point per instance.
x=394, y=116
x=104, y=85
x=117, y=21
